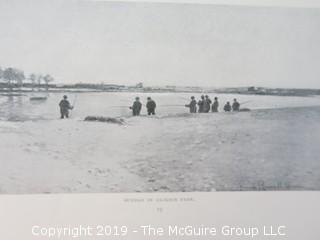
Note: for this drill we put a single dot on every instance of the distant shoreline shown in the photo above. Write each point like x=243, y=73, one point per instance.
x=15, y=91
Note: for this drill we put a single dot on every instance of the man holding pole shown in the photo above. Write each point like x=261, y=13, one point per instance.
x=65, y=107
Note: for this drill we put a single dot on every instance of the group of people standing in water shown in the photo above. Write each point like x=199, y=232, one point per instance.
x=137, y=105
x=204, y=105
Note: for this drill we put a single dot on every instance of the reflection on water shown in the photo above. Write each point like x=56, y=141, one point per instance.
x=20, y=108
x=12, y=108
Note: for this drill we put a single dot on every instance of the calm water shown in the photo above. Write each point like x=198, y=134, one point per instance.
x=20, y=108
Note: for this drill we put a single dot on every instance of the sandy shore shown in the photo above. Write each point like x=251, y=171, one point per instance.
x=276, y=149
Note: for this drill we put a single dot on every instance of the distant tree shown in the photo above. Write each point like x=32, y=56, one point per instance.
x=47, y=79
x=1, y=73
x=8, y=76
x=19, y=75
x=39, y=80
x=33, y=79
x=12, y=74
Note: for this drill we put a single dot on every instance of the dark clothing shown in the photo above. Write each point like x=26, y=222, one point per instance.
x=64, y=108
x=192, y=106
x=235, y=106
x=151, y=106
x=227, y=108
x=206, y=105
x=215, y=106
x=151, y=112
x=136, y=108
x=201, y=106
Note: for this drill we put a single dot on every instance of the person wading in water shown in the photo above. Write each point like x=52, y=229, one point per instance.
x=65, y=107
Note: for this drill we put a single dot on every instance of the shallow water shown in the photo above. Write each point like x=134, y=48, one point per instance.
x=111, y=104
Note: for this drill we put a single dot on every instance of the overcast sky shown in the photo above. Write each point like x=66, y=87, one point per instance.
x=162, y=44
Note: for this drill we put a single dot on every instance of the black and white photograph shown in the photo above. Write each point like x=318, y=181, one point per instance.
x=129, y=97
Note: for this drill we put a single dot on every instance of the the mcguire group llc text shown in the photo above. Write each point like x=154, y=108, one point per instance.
x=158, y=231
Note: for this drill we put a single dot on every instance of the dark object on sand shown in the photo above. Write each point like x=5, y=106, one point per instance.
x=104, y=119
x=244, y=110
x=38, y=98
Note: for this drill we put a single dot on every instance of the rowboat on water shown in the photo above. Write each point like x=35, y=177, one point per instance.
x=38, y=98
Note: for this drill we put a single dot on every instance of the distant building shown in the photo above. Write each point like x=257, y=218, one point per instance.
x=112, y=87
x=139, y=85
x=251, y=89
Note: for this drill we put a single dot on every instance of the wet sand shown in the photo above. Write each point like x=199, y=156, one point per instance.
x=272, y=149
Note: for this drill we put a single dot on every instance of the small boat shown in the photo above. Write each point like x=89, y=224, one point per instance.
x=38, y=98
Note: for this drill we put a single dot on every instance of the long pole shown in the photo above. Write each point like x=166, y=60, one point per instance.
x=74, y=100
x=171, y=105
x=73, y=104
x=184, y=98
x=245, y=102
